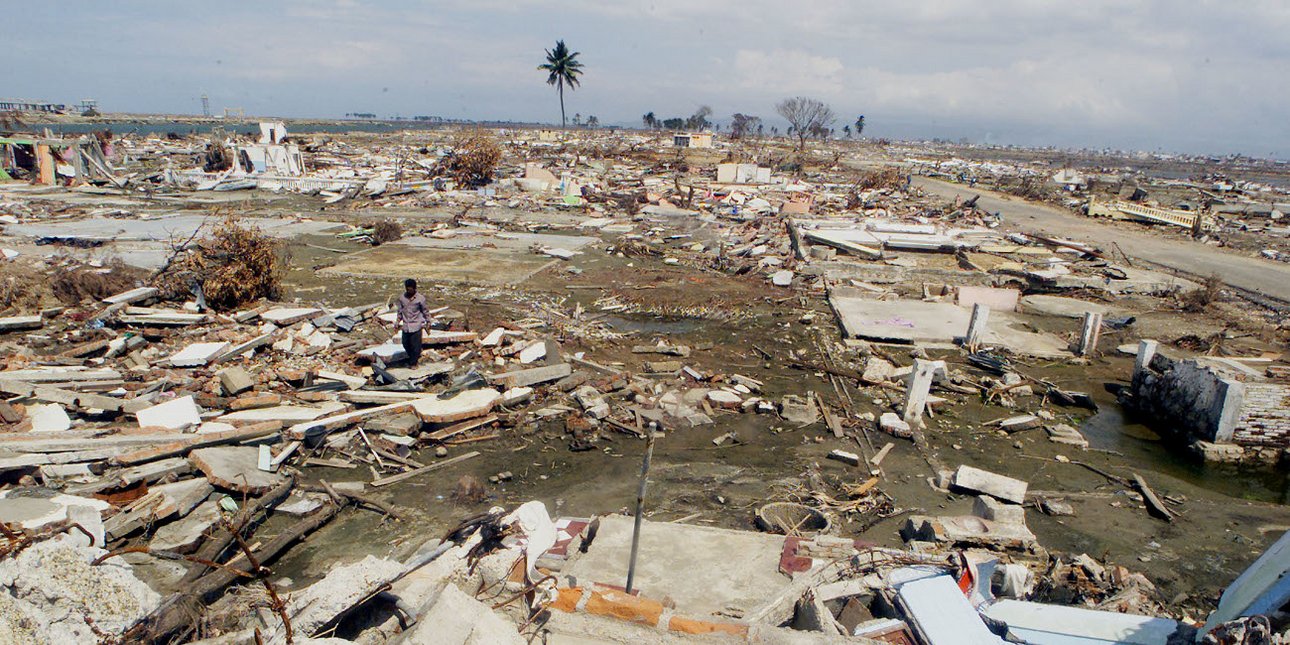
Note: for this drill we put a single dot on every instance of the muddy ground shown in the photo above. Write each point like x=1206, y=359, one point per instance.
x=1228, y=515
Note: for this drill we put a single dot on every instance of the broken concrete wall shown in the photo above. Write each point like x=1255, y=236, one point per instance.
x=284, y=160
x=1194, y=399
x=1202, y=401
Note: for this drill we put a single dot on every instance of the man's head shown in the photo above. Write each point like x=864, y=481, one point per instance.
x=410, y=287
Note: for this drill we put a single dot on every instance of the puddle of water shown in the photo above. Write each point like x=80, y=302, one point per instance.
x=1111, y=429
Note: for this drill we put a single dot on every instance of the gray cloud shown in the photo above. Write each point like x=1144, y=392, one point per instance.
x=1188, y=75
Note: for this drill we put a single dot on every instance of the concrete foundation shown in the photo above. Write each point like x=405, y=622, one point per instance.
x=704, y=570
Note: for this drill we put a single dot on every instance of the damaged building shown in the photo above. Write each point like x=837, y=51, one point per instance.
x=48, y=160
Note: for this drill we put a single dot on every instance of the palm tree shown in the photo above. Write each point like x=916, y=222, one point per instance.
x=564, y=69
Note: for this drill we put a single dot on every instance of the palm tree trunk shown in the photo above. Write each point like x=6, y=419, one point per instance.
x=560, y=87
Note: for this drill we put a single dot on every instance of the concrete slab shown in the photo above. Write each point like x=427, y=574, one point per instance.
x=234, y=468
x=1061, y=306
x=184, y=495
x=704, y=569
x=388, y=352
x=141, y=242
x=198, y=354
x=902, y=321
x=132, y=296
x=501, y=240
x=531, y=376
x=1065, y=434
x=967, y=530
x=458, y=619
x=935, y=323
x=284, y=316
x=344, y=586
x=160, y=229
x=184, y=534
x=986, y=482
x=284, y=413
x=1138, y=280
x=62, y=374
x=421, y=371
x=33, y=513
x=21, y=323
x=50, y=417
x=994, y=298
x=177, y=414
x=434, y=337
x=466, y=405
x=235, y=380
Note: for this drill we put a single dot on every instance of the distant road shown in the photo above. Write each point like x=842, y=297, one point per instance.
x=1264, y=277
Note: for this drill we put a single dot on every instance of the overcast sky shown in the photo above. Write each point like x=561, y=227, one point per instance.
x=1173, y=75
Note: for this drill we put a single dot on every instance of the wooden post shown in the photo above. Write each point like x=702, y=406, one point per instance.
x=46, y=167
x=640, y=508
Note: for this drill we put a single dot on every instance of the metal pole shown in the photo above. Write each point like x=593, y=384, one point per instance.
x=640, y=507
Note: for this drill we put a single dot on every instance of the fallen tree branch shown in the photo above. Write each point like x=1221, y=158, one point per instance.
x=174, y=613
x=215, y=546
x=341, y=495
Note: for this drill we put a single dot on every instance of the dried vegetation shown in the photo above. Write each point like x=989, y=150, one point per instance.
x=475, y=155
x=1199, y=300
x=21, y=287
x=234, y=264
x=386, y=231
x=76, y=283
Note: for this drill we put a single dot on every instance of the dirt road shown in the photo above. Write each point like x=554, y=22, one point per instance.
x=1263, y=277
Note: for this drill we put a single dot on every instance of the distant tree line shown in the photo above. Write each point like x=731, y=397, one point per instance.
x=694, y=123
x=807, y=118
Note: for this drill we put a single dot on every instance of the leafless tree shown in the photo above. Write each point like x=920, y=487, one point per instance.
x=808, y=116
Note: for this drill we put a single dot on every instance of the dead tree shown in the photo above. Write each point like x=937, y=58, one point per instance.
x=807, y=116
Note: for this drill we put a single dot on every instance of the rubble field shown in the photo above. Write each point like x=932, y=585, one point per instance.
x=870, y=408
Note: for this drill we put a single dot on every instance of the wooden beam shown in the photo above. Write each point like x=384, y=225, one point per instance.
x=385, y=481
x=458, y=428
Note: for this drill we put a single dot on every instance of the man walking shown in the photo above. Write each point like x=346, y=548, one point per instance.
x=412, y=317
